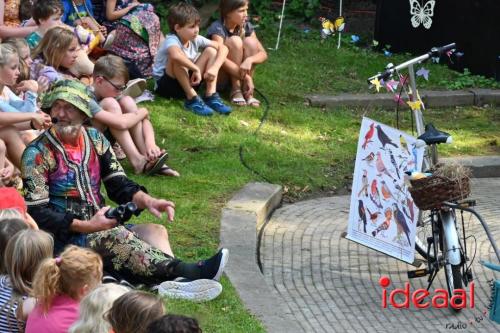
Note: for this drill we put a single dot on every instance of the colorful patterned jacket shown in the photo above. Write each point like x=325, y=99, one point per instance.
x=63, y=182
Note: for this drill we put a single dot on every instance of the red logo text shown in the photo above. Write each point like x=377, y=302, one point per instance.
x=440, y=298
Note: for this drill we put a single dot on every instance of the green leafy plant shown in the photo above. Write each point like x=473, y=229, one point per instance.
x=468, y=80
x=303, y=9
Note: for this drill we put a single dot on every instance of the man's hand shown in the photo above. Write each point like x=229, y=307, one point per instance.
x=100, y=222
x=154, y=205
x=158, y=206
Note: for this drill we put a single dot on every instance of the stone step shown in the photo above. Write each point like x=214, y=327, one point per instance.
x=431, y=98
x=482, y=166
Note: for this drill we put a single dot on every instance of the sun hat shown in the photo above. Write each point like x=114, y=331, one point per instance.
x=11, y=198
x=71, y=91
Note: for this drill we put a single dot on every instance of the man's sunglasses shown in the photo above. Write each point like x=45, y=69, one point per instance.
x=119, y=88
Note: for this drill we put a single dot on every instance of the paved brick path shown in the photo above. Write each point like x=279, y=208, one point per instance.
x=330, y=284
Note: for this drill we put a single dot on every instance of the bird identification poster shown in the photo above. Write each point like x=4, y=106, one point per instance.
x=382, y=214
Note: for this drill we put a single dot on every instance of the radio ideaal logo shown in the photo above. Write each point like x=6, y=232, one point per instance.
x=439, y=298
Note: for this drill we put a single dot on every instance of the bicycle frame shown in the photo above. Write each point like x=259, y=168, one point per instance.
x=450, y=236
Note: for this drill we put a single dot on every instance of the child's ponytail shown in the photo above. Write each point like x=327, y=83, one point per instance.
x=47, y=282
x=67, y=274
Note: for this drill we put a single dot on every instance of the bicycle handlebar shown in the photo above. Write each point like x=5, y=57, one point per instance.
x=439, y=51
x=434, y=52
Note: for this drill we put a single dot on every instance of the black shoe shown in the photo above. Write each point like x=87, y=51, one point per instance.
x=214, y=267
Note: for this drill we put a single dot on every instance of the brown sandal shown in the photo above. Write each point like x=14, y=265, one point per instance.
x=237, y=98
x=165, y=170
x=151, y=168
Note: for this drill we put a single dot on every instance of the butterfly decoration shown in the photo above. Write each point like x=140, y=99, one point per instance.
x=376, y=83
x=398, y=99
x=354, y=39
x=375, y=43
x=423, y=72
x=416, y=105
x=422, y=14
x=329, y=28
x=391, y=85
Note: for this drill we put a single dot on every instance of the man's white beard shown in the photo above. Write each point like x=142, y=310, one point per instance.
x=68, y=131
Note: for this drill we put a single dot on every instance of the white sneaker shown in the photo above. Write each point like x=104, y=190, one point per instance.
x=135, y=88
x=197, y=291
x=109, y=41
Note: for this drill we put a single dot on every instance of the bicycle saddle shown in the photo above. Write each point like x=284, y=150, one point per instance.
x=434, y=136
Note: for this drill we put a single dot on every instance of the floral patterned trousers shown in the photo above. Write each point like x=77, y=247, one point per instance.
x=130, y=257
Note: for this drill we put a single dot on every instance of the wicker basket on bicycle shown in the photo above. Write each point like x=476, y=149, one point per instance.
x=431, y=192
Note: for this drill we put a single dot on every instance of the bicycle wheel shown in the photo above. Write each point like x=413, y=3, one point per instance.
x=453, y=280
x=453, y=273
x=424, y=230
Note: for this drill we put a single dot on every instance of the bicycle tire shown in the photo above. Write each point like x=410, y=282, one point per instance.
x=452, y=273
x=453, y=280
x=424, y=230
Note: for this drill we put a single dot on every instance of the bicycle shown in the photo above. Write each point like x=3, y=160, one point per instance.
x=440, y=239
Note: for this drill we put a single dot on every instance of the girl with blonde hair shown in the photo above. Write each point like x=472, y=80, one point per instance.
x=16, y=113
x=24, y=252
x=59, y=285
x=56, y=54
x=94, y=306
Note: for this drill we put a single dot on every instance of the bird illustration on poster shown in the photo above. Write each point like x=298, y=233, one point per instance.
x=382, y=214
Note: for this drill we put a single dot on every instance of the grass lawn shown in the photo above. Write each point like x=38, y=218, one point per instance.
x=310, y=151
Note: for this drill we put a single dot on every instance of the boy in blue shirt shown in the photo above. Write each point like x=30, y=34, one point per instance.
x=179, y=66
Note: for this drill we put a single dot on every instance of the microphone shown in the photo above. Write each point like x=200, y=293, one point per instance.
x=54, y=120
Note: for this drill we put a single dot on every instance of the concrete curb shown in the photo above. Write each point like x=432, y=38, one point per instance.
x=446, y=98
x=241, y=219
x=481, y=166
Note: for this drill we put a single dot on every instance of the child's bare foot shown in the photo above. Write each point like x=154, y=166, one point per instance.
x=165, y=170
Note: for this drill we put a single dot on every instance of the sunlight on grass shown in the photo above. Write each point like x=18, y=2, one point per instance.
x=309, y=150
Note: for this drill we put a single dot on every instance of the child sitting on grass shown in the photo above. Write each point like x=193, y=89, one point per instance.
x=245, y=50
x=128, y=124
x=47, y=14
x=179, y=68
